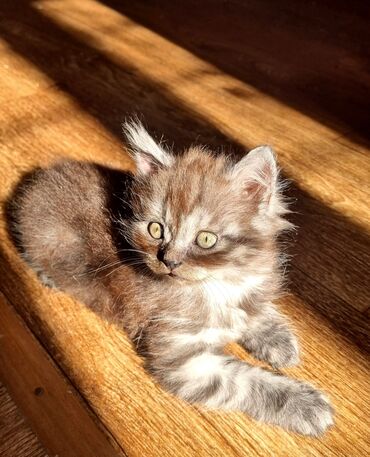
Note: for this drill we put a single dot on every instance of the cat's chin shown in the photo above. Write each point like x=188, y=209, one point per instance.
x=186, y=278
x=178, y=277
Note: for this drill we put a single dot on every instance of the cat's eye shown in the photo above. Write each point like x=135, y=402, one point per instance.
x=156, y=230
x=206, y=240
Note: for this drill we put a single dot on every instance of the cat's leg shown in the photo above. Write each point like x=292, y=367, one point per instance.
x=269, y=338
x=215, y=380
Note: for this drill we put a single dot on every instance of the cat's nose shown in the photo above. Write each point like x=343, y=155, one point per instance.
x=171, y=264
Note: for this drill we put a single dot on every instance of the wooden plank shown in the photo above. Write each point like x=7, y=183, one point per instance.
x=331, y=250
x=293, y=52
x=48, y=400
x=147, y=421
x=102, y=65
x=329, y=184
x=304, y=145
x=16, y=437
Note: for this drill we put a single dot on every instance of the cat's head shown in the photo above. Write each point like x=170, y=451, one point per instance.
x=201, y=215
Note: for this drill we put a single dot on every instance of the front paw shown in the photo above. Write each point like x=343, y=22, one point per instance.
x=279, y=349
x=307, y=411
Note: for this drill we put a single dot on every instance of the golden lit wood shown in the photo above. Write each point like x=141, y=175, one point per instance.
x=65, y=89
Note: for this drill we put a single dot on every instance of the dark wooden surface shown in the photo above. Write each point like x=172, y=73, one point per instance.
x=313, y=56
x=49, y=401
x=16, y=437
x=229, y=74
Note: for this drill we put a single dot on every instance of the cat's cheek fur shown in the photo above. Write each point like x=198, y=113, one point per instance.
x=192, y=273
x=156, y=266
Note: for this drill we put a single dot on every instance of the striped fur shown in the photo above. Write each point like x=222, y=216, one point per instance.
x=90, y=238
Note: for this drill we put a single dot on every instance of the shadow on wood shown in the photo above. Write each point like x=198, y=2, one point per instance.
x=312, y=56
x=329, y=270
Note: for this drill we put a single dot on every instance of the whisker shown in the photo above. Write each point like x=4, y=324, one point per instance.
x=124, y=265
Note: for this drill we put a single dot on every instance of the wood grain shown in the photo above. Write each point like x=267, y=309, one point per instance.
x=16, y=437
x=293, y=52
x=83, y=68
x=48, y=400
x=117, y=68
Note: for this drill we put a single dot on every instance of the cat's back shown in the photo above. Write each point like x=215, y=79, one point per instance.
x=59, y=218
x=58, y=193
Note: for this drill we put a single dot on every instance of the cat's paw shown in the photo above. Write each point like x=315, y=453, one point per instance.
x=282, y=351
x=278, y=349
x=307, y=411
x=291, y=404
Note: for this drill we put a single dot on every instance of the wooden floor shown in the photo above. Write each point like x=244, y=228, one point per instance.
x=231, y=74
x=16, y=437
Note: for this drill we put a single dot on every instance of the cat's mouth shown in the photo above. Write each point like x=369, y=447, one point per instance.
x=183, y=273
x=175, y=275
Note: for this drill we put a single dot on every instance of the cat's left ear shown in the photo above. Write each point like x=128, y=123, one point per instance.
x=256, y=174
x=149, y=156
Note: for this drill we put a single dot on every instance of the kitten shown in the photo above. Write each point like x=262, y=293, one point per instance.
x=183, y=255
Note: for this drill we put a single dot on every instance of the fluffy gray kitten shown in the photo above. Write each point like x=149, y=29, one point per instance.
x=184, y=256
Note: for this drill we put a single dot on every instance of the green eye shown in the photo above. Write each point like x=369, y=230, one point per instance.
x=206, y=240
x=156, y=230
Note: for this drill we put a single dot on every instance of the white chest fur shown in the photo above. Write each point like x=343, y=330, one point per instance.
x=226, y=321
x=226, y=294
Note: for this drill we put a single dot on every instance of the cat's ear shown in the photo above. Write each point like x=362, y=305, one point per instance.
x=148, y=155
x=256, y=174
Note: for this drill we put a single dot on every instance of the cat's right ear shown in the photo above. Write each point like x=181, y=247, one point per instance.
x=256, y=174
x=149, y=156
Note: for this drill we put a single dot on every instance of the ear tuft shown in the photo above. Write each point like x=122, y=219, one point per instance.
x=148, y=155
